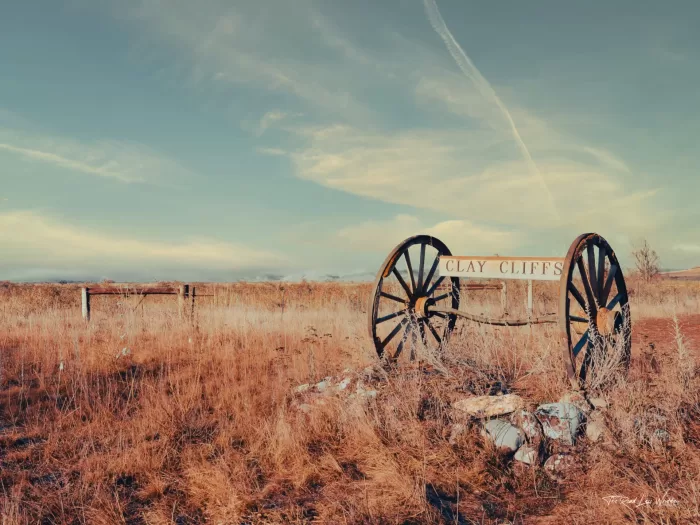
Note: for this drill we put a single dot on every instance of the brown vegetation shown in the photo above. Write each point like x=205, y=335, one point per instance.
x=141, y=418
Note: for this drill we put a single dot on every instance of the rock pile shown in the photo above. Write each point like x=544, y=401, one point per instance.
x=362, y=386
x=543, y=435
x=514, y=430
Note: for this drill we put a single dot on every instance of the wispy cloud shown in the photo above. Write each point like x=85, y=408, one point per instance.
x=476, y=165
x=470, y=175
x=273, y=152
x=607, y=158
x=57, y=160
x=121, y=161
x=271, y=117
x=485, y=88
x=31, y=239
x=458, y=235
x=241, y=46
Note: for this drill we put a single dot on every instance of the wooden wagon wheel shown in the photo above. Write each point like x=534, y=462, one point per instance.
x=406, y=286
x=594, y=316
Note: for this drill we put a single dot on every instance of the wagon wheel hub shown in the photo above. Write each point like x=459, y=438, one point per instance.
x=421, y=306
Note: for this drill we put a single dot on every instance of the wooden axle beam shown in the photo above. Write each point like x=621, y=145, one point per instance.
x=551, y=318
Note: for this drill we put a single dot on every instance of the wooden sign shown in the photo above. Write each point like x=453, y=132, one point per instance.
x=525, y=268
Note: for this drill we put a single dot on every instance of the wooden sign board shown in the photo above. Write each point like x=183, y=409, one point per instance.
x=524, y=268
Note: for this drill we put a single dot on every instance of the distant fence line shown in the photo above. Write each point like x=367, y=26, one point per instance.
x=186, y=295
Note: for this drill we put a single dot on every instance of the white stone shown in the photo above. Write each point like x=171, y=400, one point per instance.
x=344, y=383
x=599, y=403
x=489, y=406
x=560, y=421
x=526, y=454
x=323, y=385
x=503, y=434
x=302, y=388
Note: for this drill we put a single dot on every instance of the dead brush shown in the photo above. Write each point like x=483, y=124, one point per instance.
x=195, y=425
x=684, y=362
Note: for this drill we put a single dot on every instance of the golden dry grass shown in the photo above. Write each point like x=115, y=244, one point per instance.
x=193, y=424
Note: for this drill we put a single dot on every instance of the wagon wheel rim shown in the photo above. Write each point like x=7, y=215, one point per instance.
x=595, y=320
x=406, y=286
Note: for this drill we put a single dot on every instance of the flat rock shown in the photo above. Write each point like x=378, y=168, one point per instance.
x=503, y=434
x=527, y=454
x=489, y=406
x=560, y=421
x=598, y=403
x=302, y=388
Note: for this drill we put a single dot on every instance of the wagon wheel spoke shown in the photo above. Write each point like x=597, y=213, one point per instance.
x=602, y=257
x=410, y=271
x=421, y=268
x=390, y=316
x=393, y=333
x=608, y=284
x=585, y=364
x=577, y=295
x=581, y=343
x=433, y=331
x=400, y=347
x=442, y=297
x=577, y=319
x=431, y=273
x=421, y=331
x=587, y=288
x=392, y=297
x=434, y=286
x=615, y=301
x=401, y=282
x=593, y=281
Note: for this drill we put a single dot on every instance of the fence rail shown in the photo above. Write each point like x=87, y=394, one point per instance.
x=186, y=295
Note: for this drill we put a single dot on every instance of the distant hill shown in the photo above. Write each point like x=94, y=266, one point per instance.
x=693, y=274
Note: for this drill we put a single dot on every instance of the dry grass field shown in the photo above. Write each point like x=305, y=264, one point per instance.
x=139, y=417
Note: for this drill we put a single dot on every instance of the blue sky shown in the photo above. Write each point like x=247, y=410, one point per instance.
x=222, y=140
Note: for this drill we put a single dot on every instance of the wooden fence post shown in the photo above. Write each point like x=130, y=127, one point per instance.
x=529, y=304
x=182, y=294
x=85, y=295
x=504, y=297
x=192, y=295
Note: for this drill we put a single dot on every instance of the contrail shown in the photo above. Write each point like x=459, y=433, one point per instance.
x=470, y=70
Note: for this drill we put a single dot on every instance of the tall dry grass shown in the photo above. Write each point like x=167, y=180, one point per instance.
x=141, y=418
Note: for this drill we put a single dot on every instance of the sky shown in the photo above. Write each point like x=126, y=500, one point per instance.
x=216, y=140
